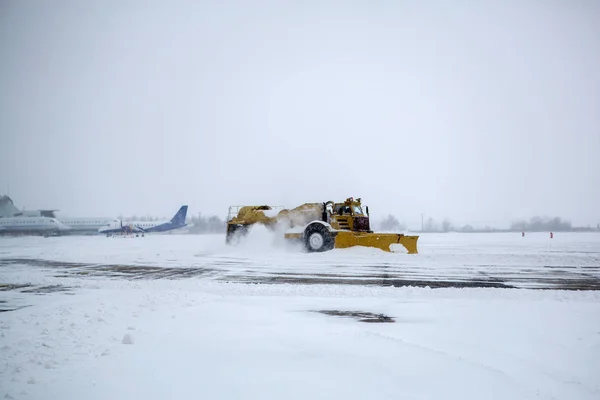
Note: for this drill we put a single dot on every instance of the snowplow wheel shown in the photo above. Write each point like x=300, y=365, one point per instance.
x=235, y=233
x=317, y=238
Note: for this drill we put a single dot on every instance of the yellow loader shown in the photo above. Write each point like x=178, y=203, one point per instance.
x=318, y=226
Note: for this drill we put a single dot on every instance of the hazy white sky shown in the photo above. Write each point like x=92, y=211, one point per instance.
x=478, y=111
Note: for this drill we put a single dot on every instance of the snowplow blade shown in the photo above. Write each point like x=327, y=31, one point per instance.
x=383, y=241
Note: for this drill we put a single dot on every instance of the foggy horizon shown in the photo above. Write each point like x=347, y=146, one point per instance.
x=479, y=113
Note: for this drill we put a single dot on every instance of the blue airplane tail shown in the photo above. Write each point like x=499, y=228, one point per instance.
x=179, y=218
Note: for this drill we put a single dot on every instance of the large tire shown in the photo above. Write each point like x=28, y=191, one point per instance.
x=235, y=233
x=317, y=238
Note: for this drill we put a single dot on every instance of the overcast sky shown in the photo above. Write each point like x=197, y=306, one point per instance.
x=479, y=111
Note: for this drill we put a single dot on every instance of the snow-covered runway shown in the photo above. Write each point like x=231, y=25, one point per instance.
x=101, y=318
x=569, y=260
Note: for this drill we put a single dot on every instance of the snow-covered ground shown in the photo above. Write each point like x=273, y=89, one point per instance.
x=110, y=334
x=504, y=259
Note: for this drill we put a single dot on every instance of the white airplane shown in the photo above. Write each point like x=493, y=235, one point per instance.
x=117, y=226
x=79, y=225
x=31, y=225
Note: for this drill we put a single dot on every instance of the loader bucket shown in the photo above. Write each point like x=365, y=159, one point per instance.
x=383, y=241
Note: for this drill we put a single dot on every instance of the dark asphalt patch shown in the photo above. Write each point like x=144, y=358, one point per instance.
x=368, y=281
x=79, y=269
x=46, y=289
x=5, y=287
x=548, y=277
x=361, y=316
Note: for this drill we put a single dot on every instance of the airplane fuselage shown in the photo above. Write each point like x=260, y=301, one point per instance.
x=31, y=225
x=86, y=225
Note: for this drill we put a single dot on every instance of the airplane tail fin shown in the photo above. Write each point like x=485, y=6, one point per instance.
x=179, y=218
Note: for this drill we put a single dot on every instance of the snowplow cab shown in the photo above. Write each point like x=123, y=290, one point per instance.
x=351, y=216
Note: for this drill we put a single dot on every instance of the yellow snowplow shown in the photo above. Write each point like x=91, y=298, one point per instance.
x=318, y=226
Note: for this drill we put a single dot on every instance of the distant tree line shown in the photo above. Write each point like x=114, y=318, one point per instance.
x=539, y=224
x=390, y=223
x=535, y=224
x=432, y=225
x=202, y=224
